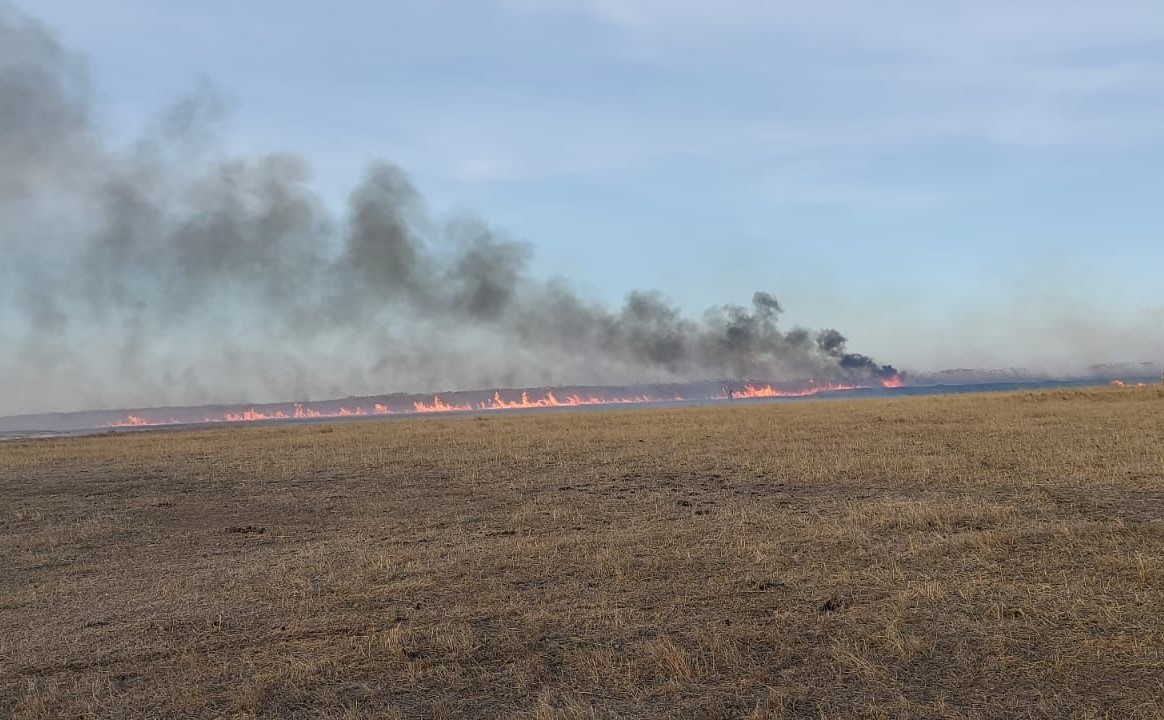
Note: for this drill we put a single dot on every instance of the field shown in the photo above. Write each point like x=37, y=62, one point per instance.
x=979, y=556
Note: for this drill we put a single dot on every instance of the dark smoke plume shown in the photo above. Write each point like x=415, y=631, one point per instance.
x=165, y=272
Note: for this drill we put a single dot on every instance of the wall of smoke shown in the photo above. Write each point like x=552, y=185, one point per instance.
x=163, y=271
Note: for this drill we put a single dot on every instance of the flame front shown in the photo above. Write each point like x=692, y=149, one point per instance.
x=299, y=412
x=550, y=400
x=1120, y=383
x=767, y=391
x=495, y=402
x=438, y=405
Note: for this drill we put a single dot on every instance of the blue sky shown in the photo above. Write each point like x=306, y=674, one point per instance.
x=950, y=184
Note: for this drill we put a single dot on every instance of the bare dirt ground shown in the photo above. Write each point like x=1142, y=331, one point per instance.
x=974, y=556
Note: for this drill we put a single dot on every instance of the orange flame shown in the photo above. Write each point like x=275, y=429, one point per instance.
x=299, y=412
x=767, y=391
x=496, y=402
x=1121, y=383
x=893, y=381
x=438, y=405
x=550, y=400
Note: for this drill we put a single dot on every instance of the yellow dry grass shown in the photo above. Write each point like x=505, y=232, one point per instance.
x=949, y=557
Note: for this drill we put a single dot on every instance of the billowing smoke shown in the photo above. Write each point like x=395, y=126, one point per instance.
x=166, y=272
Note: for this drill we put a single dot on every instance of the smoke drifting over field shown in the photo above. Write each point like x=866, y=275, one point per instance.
x=164, y=272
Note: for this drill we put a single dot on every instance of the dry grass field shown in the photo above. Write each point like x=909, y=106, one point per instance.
x=988, y=556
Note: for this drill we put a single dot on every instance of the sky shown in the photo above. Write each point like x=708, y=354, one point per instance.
x=956, y=184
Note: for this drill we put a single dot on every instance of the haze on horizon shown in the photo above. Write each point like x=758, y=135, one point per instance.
x=970, y=187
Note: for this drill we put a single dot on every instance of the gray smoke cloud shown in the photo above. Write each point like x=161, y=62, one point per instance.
x=165, y=272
